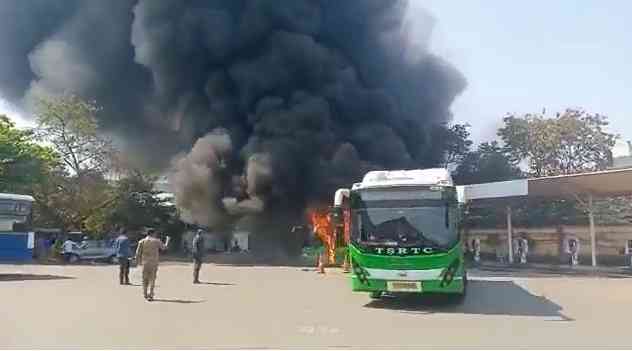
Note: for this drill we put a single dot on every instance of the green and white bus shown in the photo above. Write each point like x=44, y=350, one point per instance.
x=404, y=233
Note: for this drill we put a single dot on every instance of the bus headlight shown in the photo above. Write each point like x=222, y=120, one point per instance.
x=361, y=273
x=449, y=273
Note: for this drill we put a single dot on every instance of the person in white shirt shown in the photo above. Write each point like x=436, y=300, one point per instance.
x=523, y=250
x=476, y=246
x=572, y=249
x=67, y=249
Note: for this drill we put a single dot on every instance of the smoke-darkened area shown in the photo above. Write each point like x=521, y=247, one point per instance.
x=257, y=106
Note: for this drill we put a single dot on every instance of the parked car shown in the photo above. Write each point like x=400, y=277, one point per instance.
x=96, y=250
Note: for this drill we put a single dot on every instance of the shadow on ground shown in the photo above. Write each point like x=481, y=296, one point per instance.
x=244, y=260
x=178, y=301
x=483, y=297
x=23, y=277
x=216, y=283
x=60, y=263
x=544, y=272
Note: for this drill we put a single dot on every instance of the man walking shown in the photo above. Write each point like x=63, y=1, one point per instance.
x=148, y=254
x=198, y=255
x=68, y=248
x=123, y=253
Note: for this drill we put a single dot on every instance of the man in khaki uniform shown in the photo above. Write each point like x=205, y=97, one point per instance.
x=148, y=255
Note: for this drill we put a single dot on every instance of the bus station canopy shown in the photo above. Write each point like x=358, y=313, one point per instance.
x=597, y=184
x=583, y=187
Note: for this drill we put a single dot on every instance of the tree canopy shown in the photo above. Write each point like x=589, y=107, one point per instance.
x=139, y=205
x=23, y=162
x=574, y=141
x=489, y=163
x=70, y=125
x=457, y=143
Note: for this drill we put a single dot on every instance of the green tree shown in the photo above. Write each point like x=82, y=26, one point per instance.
x=23, y=163
x=574, y=141
x=139, y=205
x=613, y=210
x=77, y=194
x=62, y=202
x=488, y=163
x=70, y=125
x=457, y=143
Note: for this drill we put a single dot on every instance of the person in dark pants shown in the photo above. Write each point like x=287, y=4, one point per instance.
x=68, y=248
x=198, y=255
x=123, y=253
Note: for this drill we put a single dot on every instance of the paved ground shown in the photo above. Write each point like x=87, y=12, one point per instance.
x=259, y=307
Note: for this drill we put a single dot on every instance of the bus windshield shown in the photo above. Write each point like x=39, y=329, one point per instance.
x=412, y=226
x=14, y=208
x=15, y=215
x=409, y=218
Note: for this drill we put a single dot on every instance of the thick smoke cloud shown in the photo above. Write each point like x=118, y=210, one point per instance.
x=307, y=94
x=25, y=25
x=198, y=178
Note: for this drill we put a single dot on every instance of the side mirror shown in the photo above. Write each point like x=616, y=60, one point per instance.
x=336, y=215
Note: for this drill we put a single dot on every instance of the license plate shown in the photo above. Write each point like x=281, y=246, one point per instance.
x=402, y=286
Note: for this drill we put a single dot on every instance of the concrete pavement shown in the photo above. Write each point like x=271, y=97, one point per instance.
x=292, y=307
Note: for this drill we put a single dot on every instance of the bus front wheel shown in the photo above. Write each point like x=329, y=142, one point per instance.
x=459, y=298
x=375, y=294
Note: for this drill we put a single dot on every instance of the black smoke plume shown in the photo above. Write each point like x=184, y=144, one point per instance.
x=274, y=103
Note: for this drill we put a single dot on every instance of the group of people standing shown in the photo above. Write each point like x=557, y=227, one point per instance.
x=148, y=256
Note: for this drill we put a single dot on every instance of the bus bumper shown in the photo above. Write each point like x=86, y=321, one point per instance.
x=456, y=285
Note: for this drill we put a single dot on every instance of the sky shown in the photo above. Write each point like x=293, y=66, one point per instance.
x=524, y=57
x=7, y=109
x=532, y=55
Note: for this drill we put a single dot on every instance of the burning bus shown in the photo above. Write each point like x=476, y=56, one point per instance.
x=404, y=233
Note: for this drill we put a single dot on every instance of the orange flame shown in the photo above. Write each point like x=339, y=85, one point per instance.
x=326, y=231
